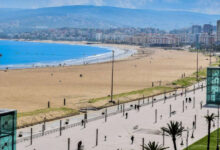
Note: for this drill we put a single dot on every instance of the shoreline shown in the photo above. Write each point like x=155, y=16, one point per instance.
x=93, y=59
x=28, y=90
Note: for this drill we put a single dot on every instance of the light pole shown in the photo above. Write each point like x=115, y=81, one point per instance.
x=197, y=57
x=112, y=76
x=217, y=148
x=187, y=139
x=210, y=58
x=197, y=64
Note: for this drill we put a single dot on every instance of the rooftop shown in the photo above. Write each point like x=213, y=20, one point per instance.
x=3, y=111
x=214, y=67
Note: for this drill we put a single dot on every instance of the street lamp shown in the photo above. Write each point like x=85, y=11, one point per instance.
x=111, y=101
x=210, y=58
x=217, y=147
x=197, y=64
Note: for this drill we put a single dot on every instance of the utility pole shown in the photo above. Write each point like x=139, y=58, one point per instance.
x=112, y=76
x=187, y=139
x=218, y=130
x=197, y=57
x=197, y=64
x=210, y=58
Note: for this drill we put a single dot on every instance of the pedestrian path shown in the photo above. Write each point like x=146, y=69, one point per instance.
x=113, y=131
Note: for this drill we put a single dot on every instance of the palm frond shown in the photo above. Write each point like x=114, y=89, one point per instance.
x=154, y=146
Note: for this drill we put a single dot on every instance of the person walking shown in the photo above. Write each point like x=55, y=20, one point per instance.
x=82, y=122
x=79, y=146
x=138, y=107
x=126, y=115
x=132, y=139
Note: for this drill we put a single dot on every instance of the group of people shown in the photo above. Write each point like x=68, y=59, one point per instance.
x=137, y=107
x=188, y=100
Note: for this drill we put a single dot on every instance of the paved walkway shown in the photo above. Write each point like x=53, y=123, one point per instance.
x=118, y=130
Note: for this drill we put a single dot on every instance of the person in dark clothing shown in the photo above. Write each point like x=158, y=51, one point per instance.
x=132, y=139
x=126, y=115
x=79, y=146
x=138, y=107
x=190, y=100
x=82, y=122
x=193, y=124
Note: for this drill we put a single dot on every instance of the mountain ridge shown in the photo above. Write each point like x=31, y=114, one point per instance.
x=87, y=16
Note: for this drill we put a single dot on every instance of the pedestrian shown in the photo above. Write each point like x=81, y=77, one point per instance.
x=186, y=100
x=193, y=124
x=135, y=106
x=82, y=122
x=190, y=100
x=138, y=107
x=126, y=115
x=105, y=138
x=85, y=116
x=79, y=146
x=132, y=139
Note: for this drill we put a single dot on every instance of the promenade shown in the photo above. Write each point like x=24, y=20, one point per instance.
x=113, y=131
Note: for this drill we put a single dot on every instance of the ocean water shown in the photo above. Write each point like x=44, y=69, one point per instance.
x=19, y=54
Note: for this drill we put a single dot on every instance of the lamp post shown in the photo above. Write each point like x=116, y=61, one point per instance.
x=217, y=148
x=112, y=77
x=197, y=64
x=210, y=57
x=187, y=138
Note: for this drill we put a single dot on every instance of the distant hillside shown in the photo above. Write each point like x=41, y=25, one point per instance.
x=98, y=17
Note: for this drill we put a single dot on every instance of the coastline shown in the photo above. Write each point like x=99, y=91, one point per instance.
x=29, y=90
x=120, y=54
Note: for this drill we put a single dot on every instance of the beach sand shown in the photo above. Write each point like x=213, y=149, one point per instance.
x=31, y=89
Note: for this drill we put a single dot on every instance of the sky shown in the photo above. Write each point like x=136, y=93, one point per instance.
x=202, y=6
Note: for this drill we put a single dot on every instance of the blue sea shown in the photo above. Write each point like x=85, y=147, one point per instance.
x=19, y=54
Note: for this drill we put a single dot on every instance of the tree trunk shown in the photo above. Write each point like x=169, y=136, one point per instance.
x=174, y=143
x=209, y=128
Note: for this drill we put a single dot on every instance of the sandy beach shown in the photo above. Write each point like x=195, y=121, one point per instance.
x=31, y=89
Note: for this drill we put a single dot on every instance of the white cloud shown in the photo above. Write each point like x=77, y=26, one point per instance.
x=116, y=3
x=207, y=6
x=202, y=6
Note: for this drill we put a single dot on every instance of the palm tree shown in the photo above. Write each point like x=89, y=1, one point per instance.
x=154, y=146
x=209, y=119
x=174, y=129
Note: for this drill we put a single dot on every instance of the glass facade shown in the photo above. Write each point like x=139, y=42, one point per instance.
x=8, y=120
x=213, y=85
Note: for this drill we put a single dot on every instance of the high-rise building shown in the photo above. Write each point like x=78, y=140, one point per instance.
x=218, y=30
x=196, y=29
x=8, y=121
x=207, y=28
